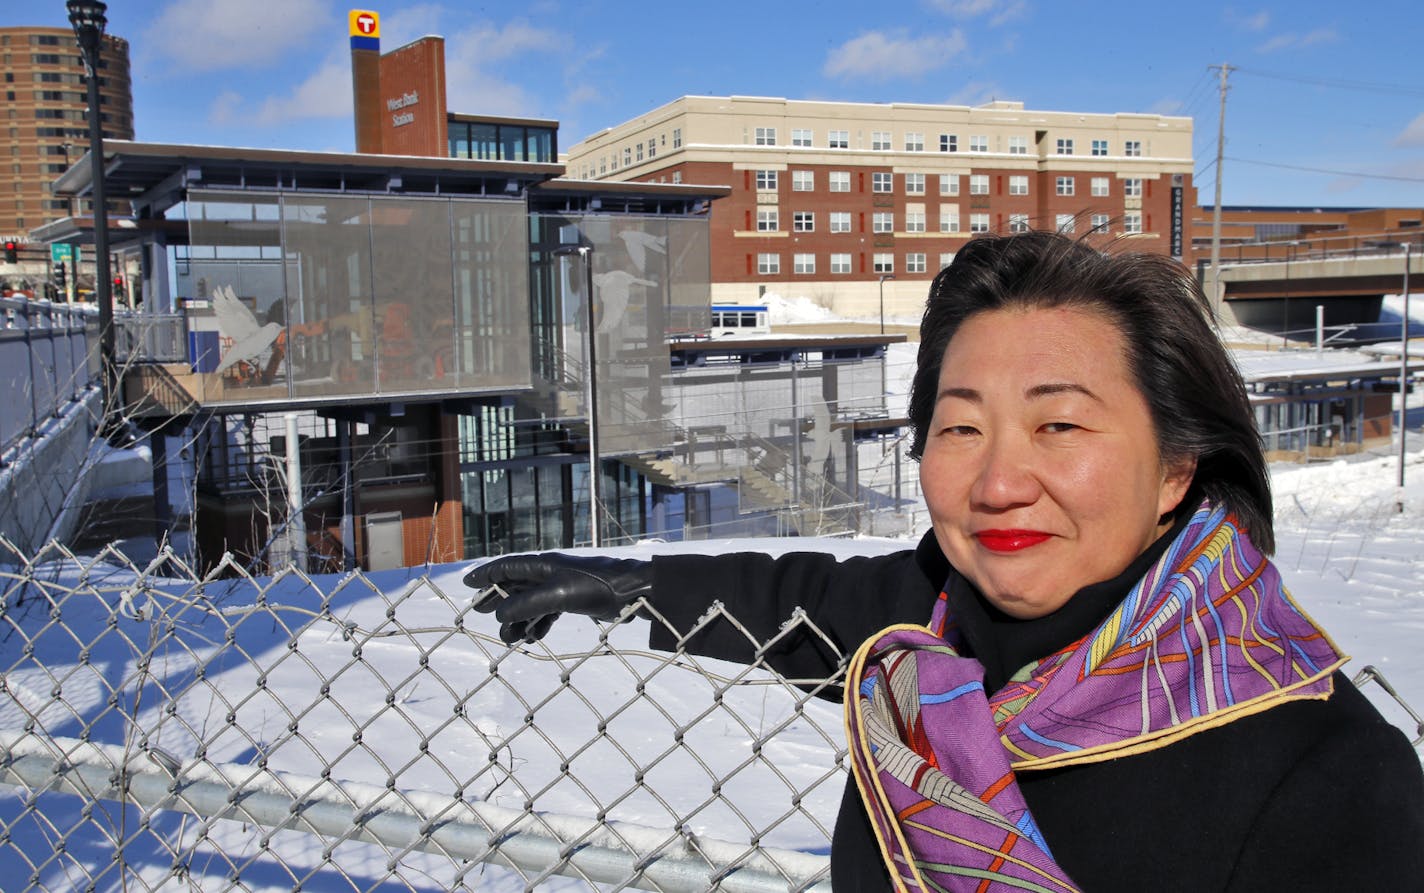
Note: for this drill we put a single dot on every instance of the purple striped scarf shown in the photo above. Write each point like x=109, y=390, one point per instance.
x=1208, y=635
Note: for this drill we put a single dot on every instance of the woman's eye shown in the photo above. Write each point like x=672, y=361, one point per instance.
x=959, y=430
x=1059, y=427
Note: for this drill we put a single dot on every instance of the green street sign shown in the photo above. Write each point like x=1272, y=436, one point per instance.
x=59, y=253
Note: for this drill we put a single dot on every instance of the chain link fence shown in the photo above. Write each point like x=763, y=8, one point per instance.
x=162, y=730
x=166, y=731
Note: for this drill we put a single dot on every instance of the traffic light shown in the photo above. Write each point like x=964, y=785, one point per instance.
x=118, y=285
x=60, y=274
x=12, y=251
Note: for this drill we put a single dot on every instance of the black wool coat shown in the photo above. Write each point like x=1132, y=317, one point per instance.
x=1308, y=795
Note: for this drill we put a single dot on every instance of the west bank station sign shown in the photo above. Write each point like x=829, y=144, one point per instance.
x=403, y=101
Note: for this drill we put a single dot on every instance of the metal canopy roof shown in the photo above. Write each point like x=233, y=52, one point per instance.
x=154, y=174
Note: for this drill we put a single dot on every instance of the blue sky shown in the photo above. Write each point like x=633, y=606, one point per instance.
x=1326, y=109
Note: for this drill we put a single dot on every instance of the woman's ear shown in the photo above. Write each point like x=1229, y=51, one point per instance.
x=1176, y=480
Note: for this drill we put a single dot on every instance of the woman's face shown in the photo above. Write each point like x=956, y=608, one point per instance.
x=1041, y=469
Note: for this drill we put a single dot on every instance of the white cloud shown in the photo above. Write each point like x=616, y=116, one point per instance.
x=326, y=93
x=976, y=93
x=474, y=84
x=997, y=11
x=1294, y=40
x=1412, y=135
x=1256, y=21
x=210, y=35
x=880, y=56
x=1165, y=106
x=226, y=108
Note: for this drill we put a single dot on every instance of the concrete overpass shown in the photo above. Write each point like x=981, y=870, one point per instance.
x=1281, y=295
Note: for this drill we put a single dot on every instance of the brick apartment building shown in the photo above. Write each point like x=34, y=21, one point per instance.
x=46, y=94
x=831, y=199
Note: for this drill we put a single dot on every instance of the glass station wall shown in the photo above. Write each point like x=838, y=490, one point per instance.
x=650, y=278
x=323, y=295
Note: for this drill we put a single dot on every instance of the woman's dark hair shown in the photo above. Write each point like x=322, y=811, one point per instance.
x=1198, y=403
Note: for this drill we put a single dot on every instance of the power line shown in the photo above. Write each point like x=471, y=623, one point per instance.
x=1367, y=86
x=1324, y=170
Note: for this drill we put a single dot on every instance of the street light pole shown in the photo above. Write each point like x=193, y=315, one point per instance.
x=882, y=300
x=88, y=20
x=1403, y=372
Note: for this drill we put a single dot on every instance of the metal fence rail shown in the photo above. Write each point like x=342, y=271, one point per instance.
x=45, y=363
x=369, y=731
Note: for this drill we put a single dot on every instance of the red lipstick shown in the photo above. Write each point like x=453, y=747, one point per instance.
x=1009, y=540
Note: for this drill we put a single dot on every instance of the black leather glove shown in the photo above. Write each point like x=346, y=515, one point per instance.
x=539, y=587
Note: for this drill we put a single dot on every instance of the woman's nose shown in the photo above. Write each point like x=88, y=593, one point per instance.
x=1006, y=476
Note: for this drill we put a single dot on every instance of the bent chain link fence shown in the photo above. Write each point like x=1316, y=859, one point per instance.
x=161, y=730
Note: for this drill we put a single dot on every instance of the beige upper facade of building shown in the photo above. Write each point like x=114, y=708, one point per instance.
x=915, y=137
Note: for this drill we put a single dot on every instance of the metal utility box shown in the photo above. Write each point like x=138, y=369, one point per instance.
x=385, y=541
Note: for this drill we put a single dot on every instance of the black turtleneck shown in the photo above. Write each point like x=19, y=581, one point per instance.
x=1005, y=644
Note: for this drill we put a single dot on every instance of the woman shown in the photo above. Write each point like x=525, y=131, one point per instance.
x=1114, y=691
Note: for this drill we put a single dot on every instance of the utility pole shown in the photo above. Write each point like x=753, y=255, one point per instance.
x=1215, y=293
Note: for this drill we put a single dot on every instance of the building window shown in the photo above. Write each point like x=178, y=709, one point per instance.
x=803, y=263
x=768, y=220
x=677, y=137
x=978, y=144
x=914, y=142
x=766, y=181
x=838, y=139
x=653, y=147
x=882, y=222
x=840, y=181
x=948, y=142
x=1066, y=224
x=915, y=262
x=1064, y=147
x=978, y=184
x=978, y=223
x=800, y=136
x=627, y=156
x=1064, y=186
x=880, y=141
x=945, y=259
x=882, y=181
x=766, y=136
x=1132, y=148
x=840, y=221
x=1018, y=223
x=1099, y=222
x=1018, y=184
x=803, y=181
x=914, y=184
x=840, y=263
x=883, y=262
x=639, y=149
x=914, y=221
x=1132, y=187
x=803, y=221
x=1100, y=148
x=949, y=184
x=949, y=218
x=1132, y=222
x=1018, y=145
x=768, y=264
x=1099, y=186
x=677, y=176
